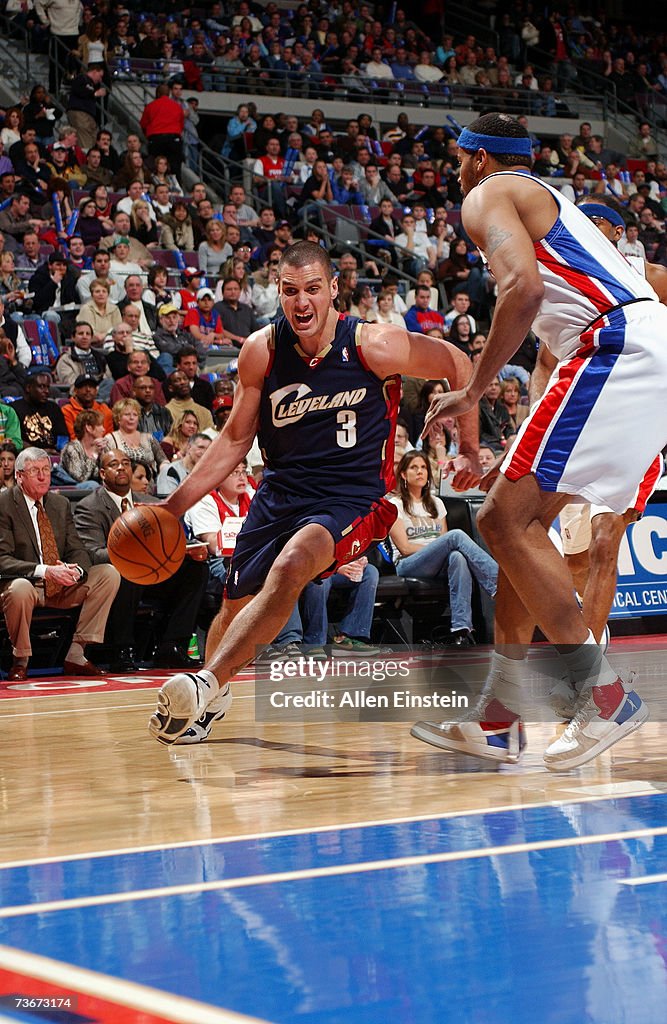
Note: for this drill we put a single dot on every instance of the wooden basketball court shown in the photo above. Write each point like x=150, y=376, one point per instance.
x=323, y=872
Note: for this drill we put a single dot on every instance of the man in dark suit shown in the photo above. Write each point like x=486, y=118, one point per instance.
x=180, y=596
x=40, y=547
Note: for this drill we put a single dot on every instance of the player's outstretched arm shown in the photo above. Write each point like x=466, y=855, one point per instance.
x=495, y=224
x=234, y=442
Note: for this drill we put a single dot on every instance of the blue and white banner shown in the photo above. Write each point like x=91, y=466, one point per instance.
x=641, y=586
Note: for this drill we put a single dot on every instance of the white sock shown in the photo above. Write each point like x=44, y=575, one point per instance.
x=209, y=678
x=504, y=681
x=587, y=666
x=76, y=654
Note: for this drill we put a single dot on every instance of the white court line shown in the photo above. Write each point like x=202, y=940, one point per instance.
x=179, y=1009
x=286, y=833
x=644, y=880
x=392, y=863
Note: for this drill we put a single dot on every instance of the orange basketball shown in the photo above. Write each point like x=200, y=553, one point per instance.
x=147, y=544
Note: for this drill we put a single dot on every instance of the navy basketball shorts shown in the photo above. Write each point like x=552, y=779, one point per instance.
x=274, y=518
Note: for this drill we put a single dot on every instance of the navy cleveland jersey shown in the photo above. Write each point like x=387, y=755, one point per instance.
x=327, y=422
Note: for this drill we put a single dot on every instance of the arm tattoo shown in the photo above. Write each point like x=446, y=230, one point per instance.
x=495, y=237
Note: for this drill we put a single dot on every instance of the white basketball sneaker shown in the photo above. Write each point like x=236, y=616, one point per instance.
x=604, y=716
x=489, y=730
x=180, y=703
x=215, y=712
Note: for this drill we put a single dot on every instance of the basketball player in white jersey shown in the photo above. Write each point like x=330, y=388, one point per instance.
x=592, y=534
x=594, y=433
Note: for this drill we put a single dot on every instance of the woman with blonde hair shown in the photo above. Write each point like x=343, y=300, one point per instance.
x=236, y=268
x=214, y=250
x=176, y=441
x=142, y=226
x=80, y=458
x=102, y=314
x=138, y=445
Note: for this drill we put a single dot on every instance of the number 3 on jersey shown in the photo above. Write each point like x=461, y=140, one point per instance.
x=346, y=435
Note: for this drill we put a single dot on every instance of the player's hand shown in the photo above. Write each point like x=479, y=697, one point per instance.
x=465, y=472
x=453, y=403
x=489, y=479
x=62, y=574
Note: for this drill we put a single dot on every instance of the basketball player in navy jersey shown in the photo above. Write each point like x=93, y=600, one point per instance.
x=594, y=433
x=321, y=390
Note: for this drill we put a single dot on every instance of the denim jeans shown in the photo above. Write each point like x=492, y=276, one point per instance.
x=456, y=554
x=312, y=628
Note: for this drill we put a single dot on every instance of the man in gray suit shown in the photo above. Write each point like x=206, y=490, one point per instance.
x=40, y=548
x=179, y=596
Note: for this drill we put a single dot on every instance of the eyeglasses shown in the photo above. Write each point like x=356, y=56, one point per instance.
x=34, y=471
x=239, y=472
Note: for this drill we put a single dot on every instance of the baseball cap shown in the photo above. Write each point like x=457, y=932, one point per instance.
x=283, y=224
x=57, y=257
x=85, y=378
x=203, y=292
x=59, y=145
x=166, y=308
x=120, y=240
x=191, y=272
x=222, y=402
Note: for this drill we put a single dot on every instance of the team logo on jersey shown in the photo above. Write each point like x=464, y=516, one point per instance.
x=291, y=403
x=346, y=354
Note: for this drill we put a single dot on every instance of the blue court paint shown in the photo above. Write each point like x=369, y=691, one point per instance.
x=541, y=937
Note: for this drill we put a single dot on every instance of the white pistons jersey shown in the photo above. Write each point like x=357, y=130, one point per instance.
x=584, y=277
x=596, y=430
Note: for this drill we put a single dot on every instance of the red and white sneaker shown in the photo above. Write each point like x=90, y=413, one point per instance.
x=489, y=730
x=604, y=716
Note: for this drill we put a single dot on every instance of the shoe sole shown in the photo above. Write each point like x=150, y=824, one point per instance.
x=638, y=719
x=433, y=735
x=338, y=652
x=178, y=708
x=206, y=726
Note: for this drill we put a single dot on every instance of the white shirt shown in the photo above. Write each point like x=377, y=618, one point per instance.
x=420, y=527
x=119, y=498
x=125, y=206
x=203, y=517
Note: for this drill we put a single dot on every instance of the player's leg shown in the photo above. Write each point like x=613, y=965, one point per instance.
x=228, y=612
x=492, y=729
x=216, y=710
x=185, y=697
x=607, y=533
x=306, y=555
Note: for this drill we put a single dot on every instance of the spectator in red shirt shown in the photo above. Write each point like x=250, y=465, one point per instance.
x=162, y=123
x=272, y=166
x=192, y=280
x=204, y=323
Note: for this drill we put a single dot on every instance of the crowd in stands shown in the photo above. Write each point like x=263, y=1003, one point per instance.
x=125, y=283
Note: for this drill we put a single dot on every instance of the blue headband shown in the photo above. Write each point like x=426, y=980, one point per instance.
x=495, y=144
x=600, y=210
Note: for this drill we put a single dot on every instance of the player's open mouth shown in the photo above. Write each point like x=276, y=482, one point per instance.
x=303, y=319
